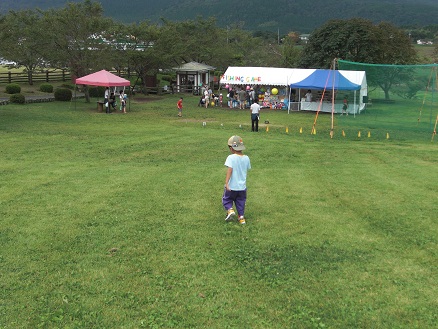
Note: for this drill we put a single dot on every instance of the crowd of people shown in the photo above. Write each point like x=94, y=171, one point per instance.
x=240, y=98
x=111, y=103
x=208, y=98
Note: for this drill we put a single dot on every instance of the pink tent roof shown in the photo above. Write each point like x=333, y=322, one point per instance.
x=102, y=78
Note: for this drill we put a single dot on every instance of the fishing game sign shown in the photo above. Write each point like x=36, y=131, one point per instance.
x=241, y=79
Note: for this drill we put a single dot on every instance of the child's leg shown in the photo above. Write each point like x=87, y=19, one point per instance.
x=240, y=201
x=228, y=199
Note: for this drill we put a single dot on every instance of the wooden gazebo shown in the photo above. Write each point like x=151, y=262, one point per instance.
x=190, y=77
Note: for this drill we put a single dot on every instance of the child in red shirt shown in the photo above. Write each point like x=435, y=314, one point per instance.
x=179, y=105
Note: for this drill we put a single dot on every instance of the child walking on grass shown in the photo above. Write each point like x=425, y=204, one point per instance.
x=235, y=181
x=179, y=105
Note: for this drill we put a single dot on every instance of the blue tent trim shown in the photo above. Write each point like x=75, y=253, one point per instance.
x=321, y=79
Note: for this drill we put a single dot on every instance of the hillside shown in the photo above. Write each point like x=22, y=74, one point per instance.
x=283, y=15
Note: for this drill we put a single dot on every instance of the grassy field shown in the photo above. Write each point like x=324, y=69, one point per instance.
x=115, y=221
x=426, y=53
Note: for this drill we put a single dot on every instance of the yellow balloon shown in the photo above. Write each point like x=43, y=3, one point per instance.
x=212, y=103
x=274, y=91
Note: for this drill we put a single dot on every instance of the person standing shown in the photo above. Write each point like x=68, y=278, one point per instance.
x=231, y=98
x=251, y=95
x=309, y=96
x=112, y=101
x=237, y=165
x=122, y=98
x=210, y=93
x=106, y=101
x=179, y=105
x=206, y=98
x=255, y=115
x=242, y=98
x=345, y=106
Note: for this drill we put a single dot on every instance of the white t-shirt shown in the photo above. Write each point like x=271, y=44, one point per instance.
x=122, y=98
x=240, y=165
x=255, y=108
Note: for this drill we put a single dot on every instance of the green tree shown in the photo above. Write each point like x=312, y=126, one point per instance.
x=80, y=38
x=394, y=48
x=22, y=38
x=197, y=40
x=244, y=49
x=291, y=53
x=352, y=40
x=141, y=49
x=358, y=40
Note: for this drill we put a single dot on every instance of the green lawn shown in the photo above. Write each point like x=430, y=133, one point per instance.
x=115, y=221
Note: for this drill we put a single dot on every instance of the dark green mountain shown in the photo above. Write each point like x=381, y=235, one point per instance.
x=282, y=15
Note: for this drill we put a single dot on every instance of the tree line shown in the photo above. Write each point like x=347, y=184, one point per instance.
x=80, y=38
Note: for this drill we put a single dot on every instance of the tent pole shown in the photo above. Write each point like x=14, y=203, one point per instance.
x=354, y=105
x=333, y=100
x=299, y=99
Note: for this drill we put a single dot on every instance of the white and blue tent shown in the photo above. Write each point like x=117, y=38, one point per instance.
x=301, y=79
x=335, y=80
x=326, y=79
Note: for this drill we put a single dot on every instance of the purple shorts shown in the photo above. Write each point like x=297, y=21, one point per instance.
x=237, y=197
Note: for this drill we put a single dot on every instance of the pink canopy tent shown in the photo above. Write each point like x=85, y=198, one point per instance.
x=103, y=78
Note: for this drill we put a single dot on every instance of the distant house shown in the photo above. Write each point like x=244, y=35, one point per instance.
x=304, y=38
x=191, y=76
x=424, y=42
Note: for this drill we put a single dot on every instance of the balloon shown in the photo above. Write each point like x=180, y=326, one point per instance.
x=274, y=91
x=248, y=87
x=227, y=86
x=212, y=103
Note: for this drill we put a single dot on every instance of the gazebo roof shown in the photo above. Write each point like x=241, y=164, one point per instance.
x=194, y=67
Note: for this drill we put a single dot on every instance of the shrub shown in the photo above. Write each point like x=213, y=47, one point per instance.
x=166, y=77
x=17, y=99
x=13, y=88
x=96, y=91
x=68, y=86
x=63, y=94
x=46, y=87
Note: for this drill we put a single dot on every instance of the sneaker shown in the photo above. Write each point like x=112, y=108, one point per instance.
x=230, y=214
x=242, y=220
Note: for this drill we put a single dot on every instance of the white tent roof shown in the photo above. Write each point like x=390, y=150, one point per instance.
x=277, y=76
x=268, y=76
x=357, y=77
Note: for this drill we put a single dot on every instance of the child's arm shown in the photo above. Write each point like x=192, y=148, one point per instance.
x=227, y=178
